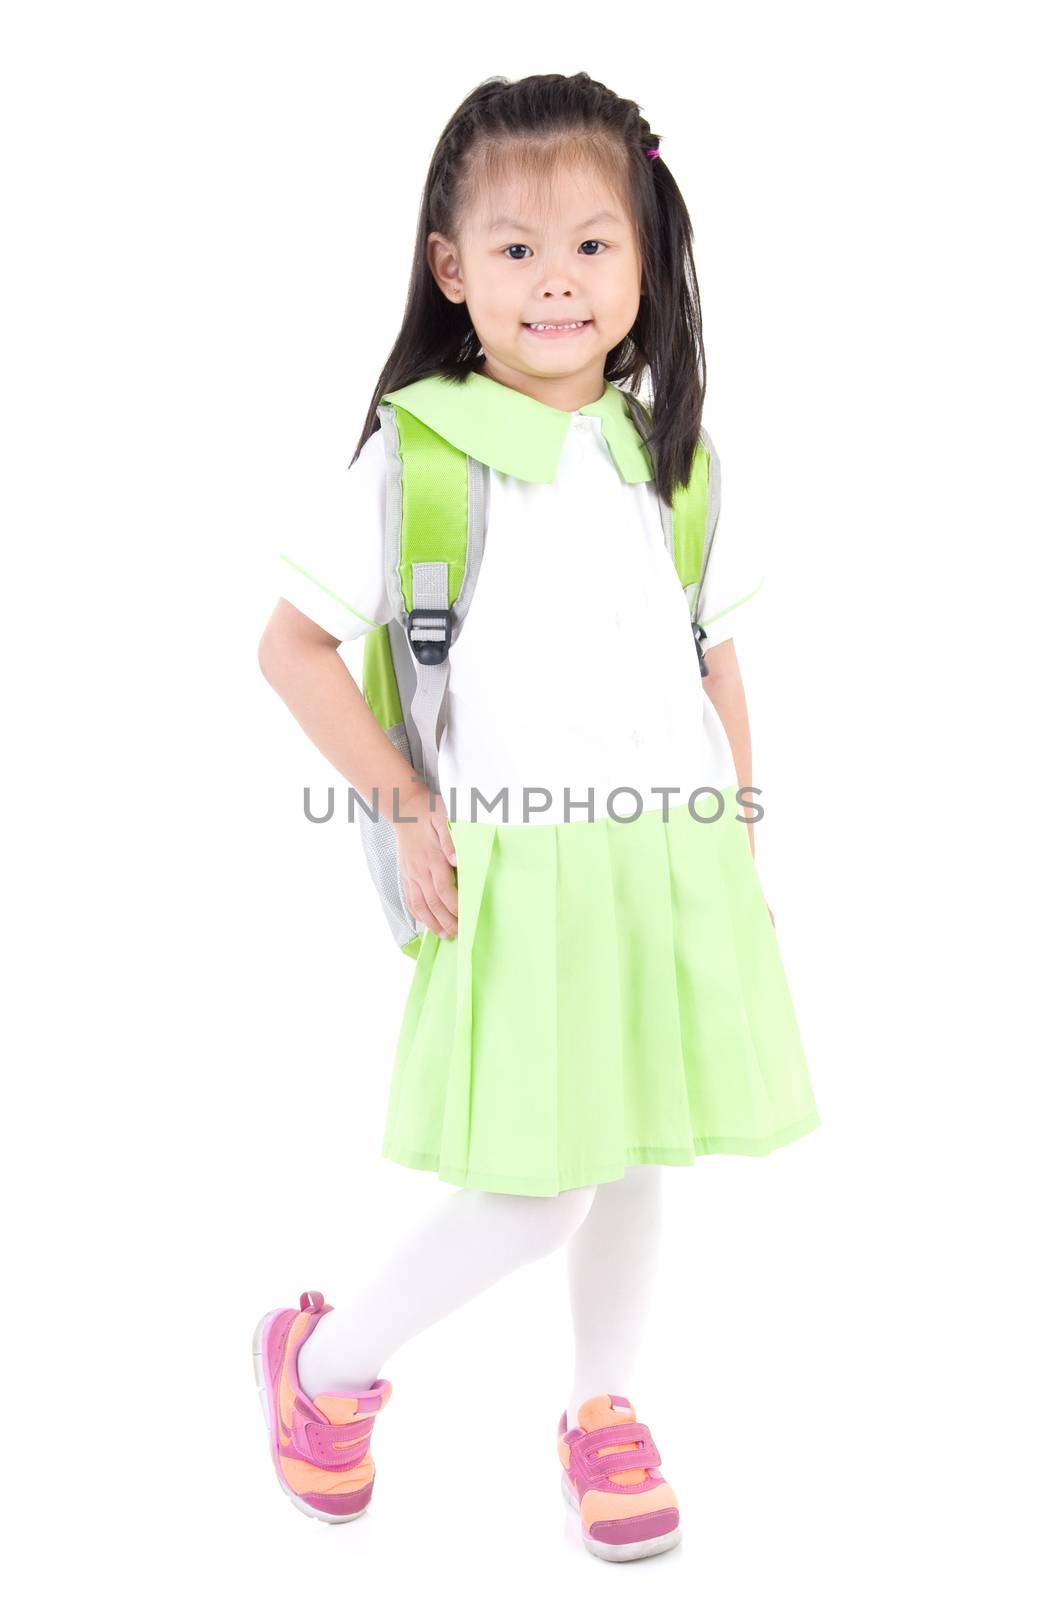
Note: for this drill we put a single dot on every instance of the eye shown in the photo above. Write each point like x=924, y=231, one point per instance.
x=507, y=247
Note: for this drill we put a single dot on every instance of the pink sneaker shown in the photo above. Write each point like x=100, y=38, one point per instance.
x=320, y=1448
x=626, y=1511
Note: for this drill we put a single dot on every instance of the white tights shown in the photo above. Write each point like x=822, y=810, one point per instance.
x=473, y=1237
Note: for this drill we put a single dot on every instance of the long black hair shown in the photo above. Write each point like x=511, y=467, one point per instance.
x=539, y=123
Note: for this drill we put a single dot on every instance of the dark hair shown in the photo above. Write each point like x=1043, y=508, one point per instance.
x=539, y=123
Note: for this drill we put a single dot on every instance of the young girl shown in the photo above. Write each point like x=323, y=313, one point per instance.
x=605, y=995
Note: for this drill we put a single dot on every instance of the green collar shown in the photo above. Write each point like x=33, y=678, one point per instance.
x=511, y=432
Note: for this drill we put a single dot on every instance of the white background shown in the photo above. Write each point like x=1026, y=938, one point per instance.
x=850, y=1367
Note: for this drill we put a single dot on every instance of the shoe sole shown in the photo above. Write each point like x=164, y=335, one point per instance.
x=619, y=1552
x=265, y=1396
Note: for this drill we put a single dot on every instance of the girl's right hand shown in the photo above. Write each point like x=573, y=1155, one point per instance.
x=426, y=858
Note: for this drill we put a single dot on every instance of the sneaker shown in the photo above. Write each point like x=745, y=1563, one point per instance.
x=320, y=1448
x=626, y=1512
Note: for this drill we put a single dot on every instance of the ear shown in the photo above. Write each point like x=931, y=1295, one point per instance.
x=444, y=263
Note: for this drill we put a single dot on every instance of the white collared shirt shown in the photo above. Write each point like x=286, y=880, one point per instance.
x=575, y=666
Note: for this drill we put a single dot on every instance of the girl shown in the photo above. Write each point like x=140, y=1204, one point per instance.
x=610, y=940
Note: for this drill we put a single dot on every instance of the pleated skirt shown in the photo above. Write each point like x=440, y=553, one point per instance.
x=614, y=995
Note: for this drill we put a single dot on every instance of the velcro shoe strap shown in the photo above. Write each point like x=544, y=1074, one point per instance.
x=332, y=1444
x=372, y=1402
x=585, y=1453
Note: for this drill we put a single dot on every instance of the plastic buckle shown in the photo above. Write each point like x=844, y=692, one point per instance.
x=430, y=651
x=699, y=633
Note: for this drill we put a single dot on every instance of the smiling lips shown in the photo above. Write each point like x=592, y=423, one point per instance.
x=556, y=330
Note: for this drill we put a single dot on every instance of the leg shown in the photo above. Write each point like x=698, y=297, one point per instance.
x=468, y=1241
x=611, y=1264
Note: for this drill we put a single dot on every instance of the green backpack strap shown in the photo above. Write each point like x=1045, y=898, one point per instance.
x=696, y=509
x=689, y=524
x=435, y=534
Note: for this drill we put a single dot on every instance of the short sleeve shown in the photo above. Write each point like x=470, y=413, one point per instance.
x=333, y=571
x=734, y=576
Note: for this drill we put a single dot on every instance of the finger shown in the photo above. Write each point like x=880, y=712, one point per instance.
x=445, y=889
x=446, y=840
x=417, y=904
x=444, y=914
x=435, y=912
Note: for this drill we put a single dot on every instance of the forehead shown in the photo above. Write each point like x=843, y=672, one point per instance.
x=557, y=191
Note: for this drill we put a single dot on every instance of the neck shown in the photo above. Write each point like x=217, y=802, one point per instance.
x=568, y=392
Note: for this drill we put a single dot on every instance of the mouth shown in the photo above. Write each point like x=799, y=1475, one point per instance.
x=557, y=330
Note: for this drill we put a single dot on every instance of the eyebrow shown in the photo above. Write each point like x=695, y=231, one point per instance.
x=525, y=227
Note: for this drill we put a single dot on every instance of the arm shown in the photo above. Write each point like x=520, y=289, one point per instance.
x=724, y=685
x=300, y=660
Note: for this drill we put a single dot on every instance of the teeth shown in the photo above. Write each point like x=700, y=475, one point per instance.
x=545, y=325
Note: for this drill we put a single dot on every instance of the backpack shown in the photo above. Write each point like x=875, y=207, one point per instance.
x=436, y=497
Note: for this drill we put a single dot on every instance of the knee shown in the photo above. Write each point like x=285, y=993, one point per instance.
x=542, y=1222
x=637, y=1182
x=570, y=1209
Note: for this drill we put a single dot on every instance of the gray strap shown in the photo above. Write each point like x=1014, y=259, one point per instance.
x=430, y=589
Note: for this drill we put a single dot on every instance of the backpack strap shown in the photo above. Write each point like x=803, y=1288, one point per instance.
x=436, y=500
x=689, y=524
x=697, y=507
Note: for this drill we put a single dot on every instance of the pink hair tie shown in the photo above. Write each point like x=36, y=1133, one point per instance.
x=653, y=152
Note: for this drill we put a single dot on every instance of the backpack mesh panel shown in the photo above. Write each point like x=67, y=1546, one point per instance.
x=379, y=838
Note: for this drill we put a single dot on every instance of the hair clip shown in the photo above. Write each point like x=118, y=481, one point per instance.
x=654, y=151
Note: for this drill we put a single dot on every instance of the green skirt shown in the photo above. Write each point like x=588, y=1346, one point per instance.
x=614, y=995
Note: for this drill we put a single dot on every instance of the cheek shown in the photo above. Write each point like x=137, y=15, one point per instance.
x=495, y=298
x=621, y=282
x=620, y=302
